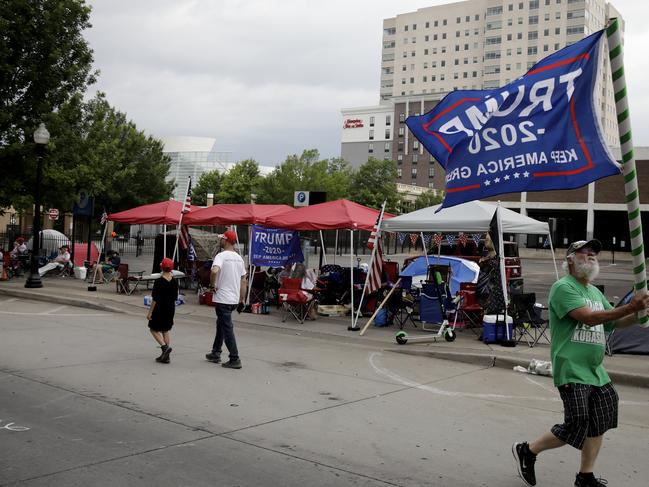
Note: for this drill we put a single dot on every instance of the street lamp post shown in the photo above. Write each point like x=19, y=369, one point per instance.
x=41, y=137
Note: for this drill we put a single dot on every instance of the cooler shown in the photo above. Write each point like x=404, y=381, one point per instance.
x=493, y=328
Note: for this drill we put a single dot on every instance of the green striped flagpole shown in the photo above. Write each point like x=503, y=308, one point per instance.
x=615, y=52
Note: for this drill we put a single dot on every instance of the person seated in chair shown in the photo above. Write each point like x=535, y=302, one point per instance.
x=19, y=248
x=308, y=283
x=110, y=264
x=61, y=261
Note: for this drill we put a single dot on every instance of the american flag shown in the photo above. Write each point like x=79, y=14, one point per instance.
x=373, y=237
x=188, y=199
x=376, y=265
x=104, y=218
x=185, y=238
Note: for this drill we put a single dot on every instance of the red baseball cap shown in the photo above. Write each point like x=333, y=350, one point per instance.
x=167, y=264
x=230, y=236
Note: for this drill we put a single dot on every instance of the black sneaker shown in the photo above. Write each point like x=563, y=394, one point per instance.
x=164, y=356
x=525, y=460
x=232, y=364
x=213, y=357
x=589, y=481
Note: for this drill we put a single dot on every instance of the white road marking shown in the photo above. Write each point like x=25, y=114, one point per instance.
x=441, y=392
x=52, y=311
x=48, y=312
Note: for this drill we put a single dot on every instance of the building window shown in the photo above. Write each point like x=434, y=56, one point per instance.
x=415, y=158
x=431, y=172
x=371, y=121
x=387, y=133
x=399, y=172
x=578, y=29
x=557, y=31
x=534, y=4
x=388, y=119
x=443, y=35
x=387, y=147
x=494, y=10
x=532, y=51
x=371, y=134
x=415, y=145
x=427, y=25
x=534, y=19
x=457, y=62
x=533, y=34
x=413, y=173
x=370, y=148
x=402, y=117
x=436, y=23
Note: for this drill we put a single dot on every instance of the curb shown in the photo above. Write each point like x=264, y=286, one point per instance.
x=505, y=362
x=81, y=303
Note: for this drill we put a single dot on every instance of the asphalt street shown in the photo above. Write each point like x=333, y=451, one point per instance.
x=82, y=402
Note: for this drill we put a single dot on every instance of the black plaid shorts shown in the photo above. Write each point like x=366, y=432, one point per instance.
x=589, y=411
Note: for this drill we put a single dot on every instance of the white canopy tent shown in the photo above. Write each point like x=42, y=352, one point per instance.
x=474, y=216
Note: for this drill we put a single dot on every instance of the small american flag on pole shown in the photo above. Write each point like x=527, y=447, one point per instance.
x=376, y=265
x=185, y=239
x=187, y=204
x=104, y=218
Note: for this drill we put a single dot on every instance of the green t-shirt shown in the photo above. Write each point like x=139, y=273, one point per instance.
x=577, y=350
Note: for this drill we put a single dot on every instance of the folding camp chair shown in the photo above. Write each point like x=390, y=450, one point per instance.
x=401, y=304
x=529, y=323
x=126, y=278
x=258, y=287
x=295, y=301
x=468, y=313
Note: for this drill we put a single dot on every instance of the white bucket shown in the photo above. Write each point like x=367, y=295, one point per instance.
x=80, y=272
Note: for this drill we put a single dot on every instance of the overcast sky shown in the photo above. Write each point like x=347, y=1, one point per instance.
x=267, y=78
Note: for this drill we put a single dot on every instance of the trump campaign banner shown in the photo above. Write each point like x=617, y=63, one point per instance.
x=274, y=247
x=540, y=132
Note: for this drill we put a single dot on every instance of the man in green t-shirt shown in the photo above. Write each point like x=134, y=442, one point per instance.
x=580, y=317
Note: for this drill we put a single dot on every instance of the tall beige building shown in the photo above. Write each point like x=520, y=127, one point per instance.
x=482, y=44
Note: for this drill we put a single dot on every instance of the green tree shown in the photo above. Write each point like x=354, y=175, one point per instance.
x=44, y=62
x=96, y=147
x=208, y=182
x=240, y=182
x=375, y=182
x=428, y=198
x=305, y=173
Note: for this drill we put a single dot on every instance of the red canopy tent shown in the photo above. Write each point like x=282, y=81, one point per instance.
x=235, y=214
x=332, y=215
x=163, y=213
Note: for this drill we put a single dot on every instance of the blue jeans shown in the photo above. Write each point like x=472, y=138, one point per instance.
x=225, y=331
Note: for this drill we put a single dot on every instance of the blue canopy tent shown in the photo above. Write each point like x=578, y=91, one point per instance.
x=462, y=270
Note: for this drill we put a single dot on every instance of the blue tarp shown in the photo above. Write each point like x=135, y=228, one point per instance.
x=462, y=270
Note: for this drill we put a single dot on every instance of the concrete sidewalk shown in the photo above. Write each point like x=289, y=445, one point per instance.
x=623, y=369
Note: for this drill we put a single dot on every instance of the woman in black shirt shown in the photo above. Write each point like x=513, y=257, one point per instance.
x=163, y=307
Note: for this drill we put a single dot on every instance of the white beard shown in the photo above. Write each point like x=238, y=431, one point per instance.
x=586, y=270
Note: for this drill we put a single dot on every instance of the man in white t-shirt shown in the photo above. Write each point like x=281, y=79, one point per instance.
x=228, y=282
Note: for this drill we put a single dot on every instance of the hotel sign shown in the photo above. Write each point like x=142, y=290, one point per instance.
x=353, y=123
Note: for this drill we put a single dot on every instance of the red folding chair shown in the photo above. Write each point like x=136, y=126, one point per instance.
x=468, y=313
x=295, y=301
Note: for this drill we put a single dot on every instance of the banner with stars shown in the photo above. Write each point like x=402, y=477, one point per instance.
x=540, y=132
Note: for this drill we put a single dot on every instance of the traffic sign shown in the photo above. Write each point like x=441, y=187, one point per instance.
x=53, y=213
x=301, y=198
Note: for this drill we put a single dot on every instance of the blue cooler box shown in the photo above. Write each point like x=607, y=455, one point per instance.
x=493, y=328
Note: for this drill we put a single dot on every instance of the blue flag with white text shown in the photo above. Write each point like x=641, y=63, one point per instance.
x=540, y=132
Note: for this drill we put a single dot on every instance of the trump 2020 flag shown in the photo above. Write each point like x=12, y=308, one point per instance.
x=538, y=133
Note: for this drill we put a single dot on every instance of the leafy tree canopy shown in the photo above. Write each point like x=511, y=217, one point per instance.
x=239, y=183
x=44, y=62
x=305, y=173
x=428, y=198
x=375, y=182
x=208, y=182
x=96, y=148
